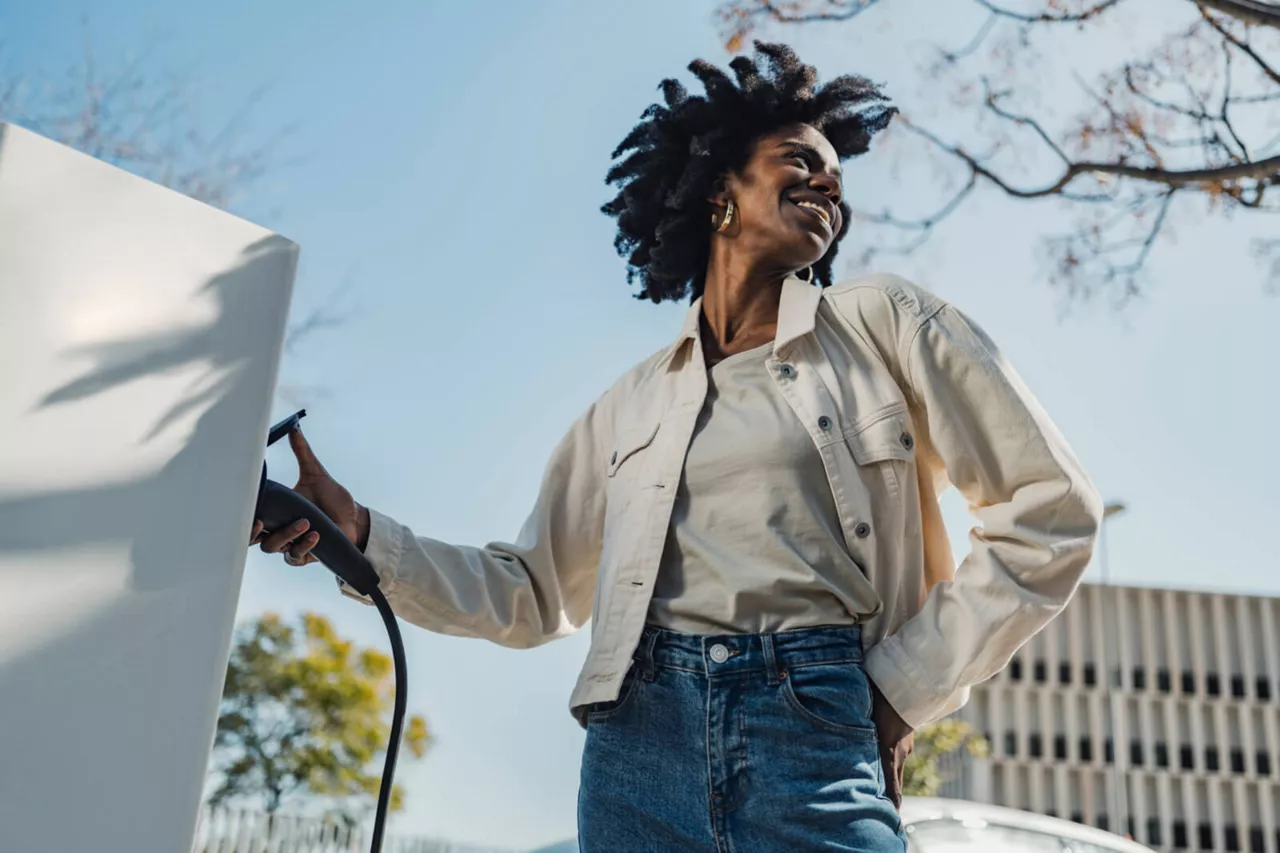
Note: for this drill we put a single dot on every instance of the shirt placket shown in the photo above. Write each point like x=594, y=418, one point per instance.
x=797, y=379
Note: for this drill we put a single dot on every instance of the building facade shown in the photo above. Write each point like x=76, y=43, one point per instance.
x=1149, y=711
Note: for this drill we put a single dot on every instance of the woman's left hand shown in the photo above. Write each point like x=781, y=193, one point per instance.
x=896, y=742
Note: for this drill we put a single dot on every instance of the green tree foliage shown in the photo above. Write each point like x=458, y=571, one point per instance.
x=305, y=718
x=924, y=774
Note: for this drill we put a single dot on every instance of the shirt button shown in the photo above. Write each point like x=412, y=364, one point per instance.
x=719, y=653
x=907, y=441
x=863, y=530
x=786, y=371
x=824, y=422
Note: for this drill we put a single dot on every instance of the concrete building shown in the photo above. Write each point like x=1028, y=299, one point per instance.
x=1151, y=711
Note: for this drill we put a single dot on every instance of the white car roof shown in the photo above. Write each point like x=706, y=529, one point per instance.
x=919, y=809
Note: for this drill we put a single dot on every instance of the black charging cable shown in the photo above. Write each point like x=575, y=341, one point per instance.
x=279, y=506
x=397, y=716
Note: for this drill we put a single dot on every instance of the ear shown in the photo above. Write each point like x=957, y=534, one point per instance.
x=719, y=195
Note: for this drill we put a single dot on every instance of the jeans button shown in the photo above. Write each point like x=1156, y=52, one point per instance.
x=719, y=653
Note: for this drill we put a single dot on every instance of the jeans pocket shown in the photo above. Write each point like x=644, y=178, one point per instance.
x=598, y=712
x=835, y=697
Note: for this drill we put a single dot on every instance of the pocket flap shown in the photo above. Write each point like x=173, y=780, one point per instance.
x=889, y=436
x=630, y=441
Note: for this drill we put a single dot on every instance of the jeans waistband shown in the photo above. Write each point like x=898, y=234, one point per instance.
x=723, y=654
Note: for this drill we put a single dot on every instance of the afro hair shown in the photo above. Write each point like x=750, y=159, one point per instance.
x=678, y=151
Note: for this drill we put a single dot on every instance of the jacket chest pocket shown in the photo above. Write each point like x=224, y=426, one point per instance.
x=884, y=448
x=629, y=454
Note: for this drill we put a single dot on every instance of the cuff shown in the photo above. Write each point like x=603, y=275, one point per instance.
x=906, y=686
x=384, y=550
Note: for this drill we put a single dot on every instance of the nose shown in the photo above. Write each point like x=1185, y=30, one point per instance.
x=828, y=185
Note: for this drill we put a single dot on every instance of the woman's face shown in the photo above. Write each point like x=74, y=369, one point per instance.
x=786, y=199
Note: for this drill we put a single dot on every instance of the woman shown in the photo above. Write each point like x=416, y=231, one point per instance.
x=751, y=515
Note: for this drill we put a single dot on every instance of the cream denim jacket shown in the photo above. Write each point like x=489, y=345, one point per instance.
x=902, y=394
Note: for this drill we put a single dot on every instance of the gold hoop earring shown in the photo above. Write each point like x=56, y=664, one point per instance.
x=728, y=217
x=808, y=280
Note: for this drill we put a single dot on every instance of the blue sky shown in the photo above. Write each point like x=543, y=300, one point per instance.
x=446, y=164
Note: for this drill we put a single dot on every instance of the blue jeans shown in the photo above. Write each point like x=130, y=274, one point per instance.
x=738, y=744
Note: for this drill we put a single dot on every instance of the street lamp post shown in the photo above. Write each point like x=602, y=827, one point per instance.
x=1119, y=760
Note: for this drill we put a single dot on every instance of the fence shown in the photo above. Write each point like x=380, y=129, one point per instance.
x=245, y=831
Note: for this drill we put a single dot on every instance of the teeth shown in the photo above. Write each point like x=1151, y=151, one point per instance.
x=820, y=211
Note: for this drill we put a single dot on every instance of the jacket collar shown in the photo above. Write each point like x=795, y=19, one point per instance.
x=797, y=313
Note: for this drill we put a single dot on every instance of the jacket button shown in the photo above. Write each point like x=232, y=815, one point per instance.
x=863, y=530
x=786, y=371
x=824, y=422
x=907, y=441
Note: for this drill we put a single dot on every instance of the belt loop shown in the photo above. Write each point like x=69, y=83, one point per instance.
x=647, y=667
x=770, y=661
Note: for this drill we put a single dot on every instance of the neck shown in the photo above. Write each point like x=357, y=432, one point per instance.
x=739, y=303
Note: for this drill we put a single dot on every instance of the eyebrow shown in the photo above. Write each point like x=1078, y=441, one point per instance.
x=810, y=150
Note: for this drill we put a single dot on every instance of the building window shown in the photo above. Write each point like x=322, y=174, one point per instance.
x=1102, y=822
x=1064, y=673
x=1108, y=751
x=1213, y=684
x=1135, y=753
x=1264, y=688
x=1035, y=745
x=1179, y=835
x=1237, y=760
x=1086, y=749
x=1041, y=672
x=1060, y=747
x=1162, y=755
x=1090, y=675
x=1188, y=682
x=1231, y=837
x=1187, y=758
x=1015, y=669
x=1011, y=744
x=1206, y=836
x=1263, y=762
x=1153, y=831
x=1237, y=686
x=1139, y=678
x=1211, y=759
x=1077, y=817
x=1257, y=840
x=1164, y=681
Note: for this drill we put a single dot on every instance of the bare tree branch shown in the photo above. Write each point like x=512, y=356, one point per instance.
x=1181, y=118
x=1249, y=11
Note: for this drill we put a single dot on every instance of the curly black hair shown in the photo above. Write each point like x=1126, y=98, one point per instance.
x=680, y=149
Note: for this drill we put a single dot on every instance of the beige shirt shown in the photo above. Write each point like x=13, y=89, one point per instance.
x=755, y=542
x=901, y=395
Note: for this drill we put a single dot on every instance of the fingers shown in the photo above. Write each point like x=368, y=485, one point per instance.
x=284, y=537
x=308, y=464
x=299, y=553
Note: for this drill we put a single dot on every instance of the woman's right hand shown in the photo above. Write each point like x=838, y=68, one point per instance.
x=314, y=484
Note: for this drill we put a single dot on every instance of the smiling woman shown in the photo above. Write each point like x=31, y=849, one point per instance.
x=750, y=516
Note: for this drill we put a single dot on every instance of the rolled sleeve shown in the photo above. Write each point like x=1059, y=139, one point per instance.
x=1038, y=519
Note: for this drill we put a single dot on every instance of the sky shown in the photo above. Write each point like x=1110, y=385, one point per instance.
x=443, y=174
